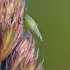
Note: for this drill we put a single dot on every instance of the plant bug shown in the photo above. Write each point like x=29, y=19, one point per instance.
x=31, y=24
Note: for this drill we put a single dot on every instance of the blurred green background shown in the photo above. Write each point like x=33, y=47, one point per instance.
x=53, y=18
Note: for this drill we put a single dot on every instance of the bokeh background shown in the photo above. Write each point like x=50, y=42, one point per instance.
x=53, y=18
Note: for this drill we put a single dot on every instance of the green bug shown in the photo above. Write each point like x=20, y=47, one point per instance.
x=31, y=24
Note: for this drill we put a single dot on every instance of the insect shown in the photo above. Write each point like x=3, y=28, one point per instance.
x=31, y=24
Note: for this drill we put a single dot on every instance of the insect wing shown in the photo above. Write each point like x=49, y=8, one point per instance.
x=30, y=23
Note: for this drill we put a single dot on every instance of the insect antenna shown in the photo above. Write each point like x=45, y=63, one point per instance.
x=44, y=46
x=41, y=45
